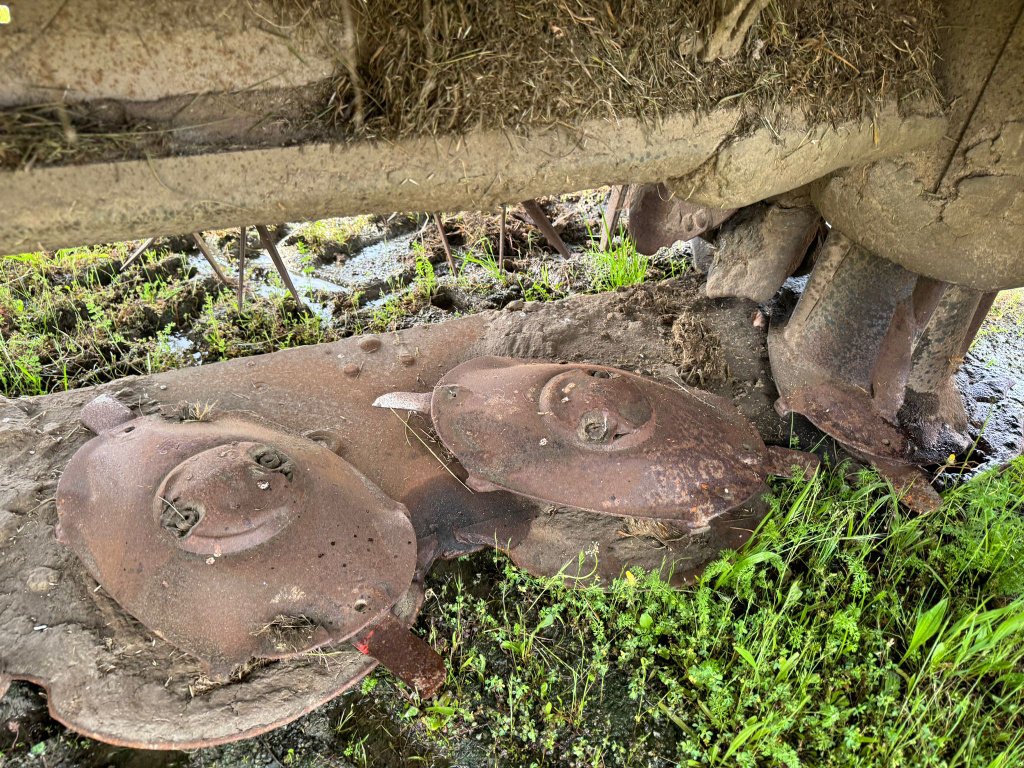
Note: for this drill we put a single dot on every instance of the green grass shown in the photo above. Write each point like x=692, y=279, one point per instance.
x=331, y=232
x=1006, y=315
x=845, y=634
x=486, y=260
x=70, y=318
x=619, y=266
x=425, y=282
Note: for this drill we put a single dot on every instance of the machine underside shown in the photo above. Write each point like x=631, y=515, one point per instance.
x=198, y=557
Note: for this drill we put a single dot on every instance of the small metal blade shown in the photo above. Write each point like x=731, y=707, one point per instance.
x=407, y=656
x=405, y=401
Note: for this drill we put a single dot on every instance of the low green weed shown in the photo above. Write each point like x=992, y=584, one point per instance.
x=485, y=259
x=426, y=279
x=846, y=633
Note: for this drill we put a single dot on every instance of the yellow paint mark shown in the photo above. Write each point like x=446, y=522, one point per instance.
x=5, y=14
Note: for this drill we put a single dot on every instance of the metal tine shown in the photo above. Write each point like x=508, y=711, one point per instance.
x=444, y=242
x=241, y=267
x=536, y=214
x=146, y=245
x=612, y=214
x=282, y=270
x=205, y=249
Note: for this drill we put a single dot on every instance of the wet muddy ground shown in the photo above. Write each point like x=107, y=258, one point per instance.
x=76, y=319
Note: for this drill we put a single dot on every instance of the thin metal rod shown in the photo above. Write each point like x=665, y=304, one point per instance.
x=138, y=252
x=241, y=267
x=612, y=213
x=501, y=237
x=275, y=256
x=209, y=257
x=540, y=221
x=444, y=242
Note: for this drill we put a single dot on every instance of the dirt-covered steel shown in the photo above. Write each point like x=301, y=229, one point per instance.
x=232, y=540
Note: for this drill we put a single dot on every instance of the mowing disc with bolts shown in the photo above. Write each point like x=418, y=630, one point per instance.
x=599, y=439
x=233, y=540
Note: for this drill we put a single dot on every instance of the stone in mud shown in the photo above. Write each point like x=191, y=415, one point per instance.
x=41, y=580
x=8, y=525
x=759, y=248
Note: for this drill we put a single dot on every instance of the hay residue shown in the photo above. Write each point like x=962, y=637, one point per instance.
x=429, y=68
x=289, y=634
x=58, y=133
x=433, y=68
x=698, y=353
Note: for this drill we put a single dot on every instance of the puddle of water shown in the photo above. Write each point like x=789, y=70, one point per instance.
x=374, y=265
x=372, y=271
x=182, y=344
x=304, y=284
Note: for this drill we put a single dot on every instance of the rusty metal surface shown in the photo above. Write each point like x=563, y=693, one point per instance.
x=912, y=485
x=103, y=413
x=540, y=221
x=407, y=656
x=140, y=688
x=839, y=325
x=843, y=356
x=782, y=461
x=598, y=438
x=869, y=355
x=587, y=547
x=848, y=416
x=658, y=218
x=233, y=540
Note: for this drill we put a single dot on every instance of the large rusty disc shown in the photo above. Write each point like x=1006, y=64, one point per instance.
x=232, y=540
x=599, y=439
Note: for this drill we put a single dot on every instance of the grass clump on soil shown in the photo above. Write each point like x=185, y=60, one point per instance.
x=324, y=234
x=846, y=633
x=619, y=266
x=72, y=318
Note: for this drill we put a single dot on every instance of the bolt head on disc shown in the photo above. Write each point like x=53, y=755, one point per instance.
x=233, y=540
x=598, y=438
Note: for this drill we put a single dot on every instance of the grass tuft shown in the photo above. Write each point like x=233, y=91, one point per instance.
x=846, y=633
x=619, y=266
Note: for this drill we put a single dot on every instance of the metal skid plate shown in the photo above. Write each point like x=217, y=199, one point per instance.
x=598, y=438
x=591, y=548
x=232, y=540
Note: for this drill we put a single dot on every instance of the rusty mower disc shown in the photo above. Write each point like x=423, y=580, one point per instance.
x=598, y=439
x=232, y=540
